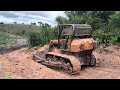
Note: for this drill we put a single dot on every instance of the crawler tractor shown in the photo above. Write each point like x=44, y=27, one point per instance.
x=71, y=50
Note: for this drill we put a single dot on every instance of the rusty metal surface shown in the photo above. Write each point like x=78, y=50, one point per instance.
x=56, y=41
x=76, y=25
x=74, y=61
x=87, y=44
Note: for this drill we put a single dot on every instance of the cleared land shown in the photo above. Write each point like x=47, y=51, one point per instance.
x=19, y=65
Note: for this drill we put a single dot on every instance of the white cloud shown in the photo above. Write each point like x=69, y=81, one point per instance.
x=30, y=16
x=6, y=20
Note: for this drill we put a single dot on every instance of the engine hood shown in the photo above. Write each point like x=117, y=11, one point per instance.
x=82, y=44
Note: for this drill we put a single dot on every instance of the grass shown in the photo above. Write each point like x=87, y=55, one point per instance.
x=7, y=77
x=4, y=39
x=19, y=29
x=15, y=29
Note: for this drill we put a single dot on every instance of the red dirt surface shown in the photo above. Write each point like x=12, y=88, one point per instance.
x=19, y=65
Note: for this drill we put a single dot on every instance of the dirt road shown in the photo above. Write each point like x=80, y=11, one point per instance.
x=19, y=65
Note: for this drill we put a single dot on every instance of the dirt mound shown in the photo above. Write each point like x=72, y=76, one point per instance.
x=19, y=64
x=108, y=57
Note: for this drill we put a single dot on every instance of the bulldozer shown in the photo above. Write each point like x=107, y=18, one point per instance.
x=71, y=50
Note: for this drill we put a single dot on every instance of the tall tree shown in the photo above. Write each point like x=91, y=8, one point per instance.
x=61, y=20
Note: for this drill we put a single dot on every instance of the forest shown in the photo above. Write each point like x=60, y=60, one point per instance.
x=105, y=25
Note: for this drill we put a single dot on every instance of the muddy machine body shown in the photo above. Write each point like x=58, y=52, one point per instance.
x=72, y=49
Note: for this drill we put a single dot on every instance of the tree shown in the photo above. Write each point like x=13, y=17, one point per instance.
x=1, y=23
x=115, y=20
x=105, y=24
x=15, y=22
x=61, y=20
x=40, y=23
x=33, y=24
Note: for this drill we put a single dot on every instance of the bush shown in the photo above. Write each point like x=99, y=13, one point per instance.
x=34, y=39
x=110, y=36
x=4, y=38
x=40, y=38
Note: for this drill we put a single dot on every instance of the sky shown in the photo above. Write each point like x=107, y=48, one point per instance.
x=30, y=16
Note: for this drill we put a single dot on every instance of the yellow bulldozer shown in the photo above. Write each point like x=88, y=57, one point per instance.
x=71, y=50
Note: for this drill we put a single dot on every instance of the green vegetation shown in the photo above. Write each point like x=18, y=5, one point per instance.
x=20, y=29
x=3, y=38
x=42, y=37
x=105, y=24
x=8, y=77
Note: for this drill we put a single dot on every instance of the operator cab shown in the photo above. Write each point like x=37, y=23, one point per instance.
x=82, y=31
x=68, y=32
